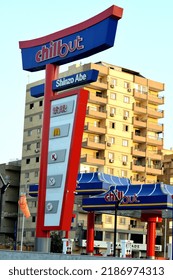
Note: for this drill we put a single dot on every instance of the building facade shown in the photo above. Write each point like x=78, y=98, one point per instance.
x=123, y=136
x=10, y=174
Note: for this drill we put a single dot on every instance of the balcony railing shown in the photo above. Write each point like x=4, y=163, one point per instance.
x=93, y=144
x=153, y=140
x=92, y=160
x=97, y=129
x=155, y=113
x=96, y=98
x=137, y=122
x=98, y=113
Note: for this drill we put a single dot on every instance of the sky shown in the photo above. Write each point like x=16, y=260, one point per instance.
x=143, y=43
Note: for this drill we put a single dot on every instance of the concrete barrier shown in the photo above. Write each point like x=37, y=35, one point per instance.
x=25, y=255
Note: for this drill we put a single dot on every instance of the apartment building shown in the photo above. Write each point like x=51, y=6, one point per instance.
x=123, y=136
x=10, y=176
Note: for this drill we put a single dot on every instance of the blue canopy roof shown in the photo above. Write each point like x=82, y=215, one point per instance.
x=101, y=188
x=97, y=182
x=139, y=197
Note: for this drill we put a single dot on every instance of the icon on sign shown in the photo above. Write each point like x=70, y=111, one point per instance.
x=56, y=131
x=49, y=206
x=54, y=157
x=52, y=181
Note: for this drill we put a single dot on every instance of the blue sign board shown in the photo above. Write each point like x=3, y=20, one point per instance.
x=64, y=83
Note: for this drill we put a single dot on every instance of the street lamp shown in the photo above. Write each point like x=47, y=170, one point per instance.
x=118, y=200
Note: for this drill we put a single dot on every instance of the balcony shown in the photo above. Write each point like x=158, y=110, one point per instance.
x=92, y=144
x=10, y=215
x=92, y=160
x=154, y=155
x=138, y=152
x=98, y=85
x=154, y=170
x=138, y=138
x=155, y=141
x=140, y=109
x=96, y=113
x=139, y=95
x=156, y=114
x=137, y=122
x=155, y=86
x=138, y=168
x=153, y=126
x=90, y=128
x=155, y=99
x=98, y=98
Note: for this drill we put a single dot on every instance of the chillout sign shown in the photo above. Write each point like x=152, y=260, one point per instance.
x=79, y=41
x=64, y=113
x=119, y=195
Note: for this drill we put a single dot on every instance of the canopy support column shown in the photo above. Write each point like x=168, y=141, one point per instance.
x=90, y=233
x=151, y=219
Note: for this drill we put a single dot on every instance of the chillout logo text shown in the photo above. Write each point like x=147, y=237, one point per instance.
x=59, y=48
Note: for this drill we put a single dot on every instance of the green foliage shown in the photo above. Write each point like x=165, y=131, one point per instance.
x=56, y=242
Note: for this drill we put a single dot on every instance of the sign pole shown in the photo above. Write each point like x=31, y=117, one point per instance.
x=23, y=223
x=42, y=241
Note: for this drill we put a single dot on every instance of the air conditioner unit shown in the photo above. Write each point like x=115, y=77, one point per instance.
x=111, y=114
x=37, y=150
x=124, y=163
x=112, y=86
x=109, y=144
x=125, y=118
x=111, y=160
x=129, y=89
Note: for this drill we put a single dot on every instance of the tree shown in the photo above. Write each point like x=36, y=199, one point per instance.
x=56, y=242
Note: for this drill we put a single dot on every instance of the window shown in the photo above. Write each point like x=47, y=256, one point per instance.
x=27, y=160
x=31, y=106
x=99, y=94
x=110, y=155
x=107, y=235
x=125, y=143
x=36, y=174
x=27, y=175
x=37, y=159
x=39, y=130
x=112, y=111
x=112, y=125
x=124, y=158
x=33, y=219
x=126, y=99
x=126, y=85
x=125, y=128
x=113, y=83
x=34, y=204
x=108, y=219
x=124, y=173
x=110, y=171
x=141, y=89
x=37, y=145
x=122, y=221
x=40, y=116
x=41, y=103
x=111, y=140
x=32, y=233
x=30, y=119
x=28, y=147
x=126, y=114
x=29, y=132
x=113, y=96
